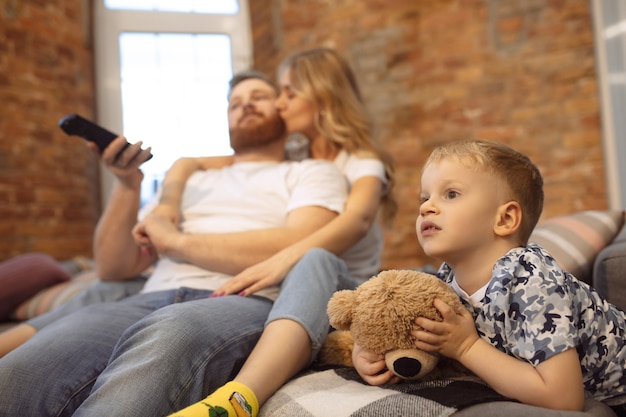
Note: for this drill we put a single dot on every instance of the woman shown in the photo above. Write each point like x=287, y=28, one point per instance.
x=320, y=99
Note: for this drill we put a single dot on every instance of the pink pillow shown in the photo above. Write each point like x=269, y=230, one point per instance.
x=25, y=275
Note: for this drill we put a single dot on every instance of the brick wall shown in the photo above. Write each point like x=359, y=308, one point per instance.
x=48, y=181
x=516, y=71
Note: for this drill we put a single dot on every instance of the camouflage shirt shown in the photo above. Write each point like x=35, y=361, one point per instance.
x=533, y=310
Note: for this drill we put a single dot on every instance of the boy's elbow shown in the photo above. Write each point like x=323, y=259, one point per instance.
x=572, y=402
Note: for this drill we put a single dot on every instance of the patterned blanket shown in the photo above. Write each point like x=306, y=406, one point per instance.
x=340, y=393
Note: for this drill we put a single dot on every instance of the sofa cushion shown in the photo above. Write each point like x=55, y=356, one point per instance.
x=608, y=271
x=341, y=392
x=51, y=297
x=575, y=240
x=25, y=275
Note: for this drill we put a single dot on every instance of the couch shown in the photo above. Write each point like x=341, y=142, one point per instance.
x=589, y=244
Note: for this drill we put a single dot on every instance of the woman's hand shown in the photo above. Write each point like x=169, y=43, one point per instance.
x=267, y=273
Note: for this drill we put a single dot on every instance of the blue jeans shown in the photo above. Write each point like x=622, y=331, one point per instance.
x=100, y=292
x=142, y=355
x=305, y=292
x=154, y=353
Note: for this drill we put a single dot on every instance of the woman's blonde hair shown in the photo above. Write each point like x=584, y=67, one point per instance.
x=323, y=77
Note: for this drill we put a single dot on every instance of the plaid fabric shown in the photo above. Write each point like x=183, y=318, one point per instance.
x=340, y=393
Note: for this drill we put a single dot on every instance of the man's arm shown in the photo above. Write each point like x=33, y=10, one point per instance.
x=116, y=254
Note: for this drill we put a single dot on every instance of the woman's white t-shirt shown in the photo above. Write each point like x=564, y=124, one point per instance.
x=363, y=258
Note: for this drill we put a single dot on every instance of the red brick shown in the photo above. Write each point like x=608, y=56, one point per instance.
x=45, y=71
x=434, y=73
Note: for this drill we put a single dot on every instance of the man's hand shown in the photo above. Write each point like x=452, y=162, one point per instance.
x=371, y=367
x=451, y=337
x=157, y=233
x=139, y=231
x=168, y=211
x=124, y=166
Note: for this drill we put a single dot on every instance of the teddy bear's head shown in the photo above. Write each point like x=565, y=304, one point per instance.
x=380, y=314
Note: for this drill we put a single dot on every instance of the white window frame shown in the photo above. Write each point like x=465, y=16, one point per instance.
x=109, y=24
x=611, y=95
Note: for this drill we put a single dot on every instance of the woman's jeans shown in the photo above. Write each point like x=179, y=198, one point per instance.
x=305, y=292
x=154, y=353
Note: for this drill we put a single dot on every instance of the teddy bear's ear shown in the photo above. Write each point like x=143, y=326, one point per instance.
x=340, y=308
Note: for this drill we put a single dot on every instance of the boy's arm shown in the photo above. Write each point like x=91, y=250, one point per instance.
x=372, y=367
x=555, y=383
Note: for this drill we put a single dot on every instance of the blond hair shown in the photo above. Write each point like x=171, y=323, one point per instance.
x=323, y=77
x=516, y=170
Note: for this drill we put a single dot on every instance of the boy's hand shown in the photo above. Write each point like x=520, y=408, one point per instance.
x=451, y=337
x=371, y=367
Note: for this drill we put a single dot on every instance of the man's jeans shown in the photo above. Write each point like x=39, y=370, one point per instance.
x=132, y=357
x=154, y=353
x=100, y=292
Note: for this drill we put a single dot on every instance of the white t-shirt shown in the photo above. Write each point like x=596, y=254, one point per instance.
x=363, y=258
x=243, y=197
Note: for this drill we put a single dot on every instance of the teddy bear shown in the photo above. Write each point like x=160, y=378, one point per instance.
x=379, y=315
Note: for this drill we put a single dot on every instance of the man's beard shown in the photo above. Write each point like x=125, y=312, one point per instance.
x=254, y=135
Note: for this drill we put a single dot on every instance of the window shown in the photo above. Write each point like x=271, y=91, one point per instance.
x=610, y=28
x=188, y=6
x=162, y=71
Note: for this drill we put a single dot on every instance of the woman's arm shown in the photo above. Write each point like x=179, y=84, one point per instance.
x=176, y=178
x=337, y=236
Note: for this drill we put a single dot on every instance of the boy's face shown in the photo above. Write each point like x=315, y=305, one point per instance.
x=458, y=212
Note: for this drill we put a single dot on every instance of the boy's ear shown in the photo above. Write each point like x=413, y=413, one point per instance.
x=509, y=219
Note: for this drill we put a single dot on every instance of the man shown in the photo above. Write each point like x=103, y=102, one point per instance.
x=231, y=219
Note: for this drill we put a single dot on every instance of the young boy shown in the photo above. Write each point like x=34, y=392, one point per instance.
x=537, y=334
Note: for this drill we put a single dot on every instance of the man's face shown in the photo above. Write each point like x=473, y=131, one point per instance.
x=252, y=116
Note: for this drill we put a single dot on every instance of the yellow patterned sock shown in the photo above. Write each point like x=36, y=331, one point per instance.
x=231, y=400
